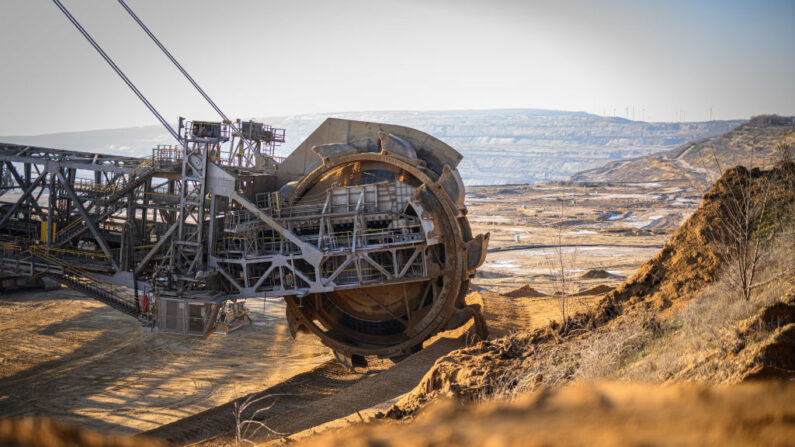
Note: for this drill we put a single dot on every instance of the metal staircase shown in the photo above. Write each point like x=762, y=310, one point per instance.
x=134, y=179
x=78, y=227
x=115, y=296
x=112, y=198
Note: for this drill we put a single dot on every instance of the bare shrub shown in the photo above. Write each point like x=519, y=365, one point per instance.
x=741, y=242
x=783, y=152
x=757, y=207
x=755, y=210
x=561, y=263
x=708, y=324
x=597, y=354
x=246, y=424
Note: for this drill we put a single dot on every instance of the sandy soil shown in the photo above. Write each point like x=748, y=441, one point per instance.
x=383, y=387
x=69, y=357
x=603, y=414
x=73, y=358
x=83, y=362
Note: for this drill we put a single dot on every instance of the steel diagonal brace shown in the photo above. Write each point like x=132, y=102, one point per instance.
x=154, y=250
x=264, y=276
x=406, y=267
x=22, y=183
x=24, y=197
x=229, y=278
x=378, y=266
x=308, y=251
x=89, y=223
x=339, y=270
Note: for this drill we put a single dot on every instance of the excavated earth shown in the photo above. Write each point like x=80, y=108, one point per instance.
x=659, y=289
x=601, y=414
x=427, y=399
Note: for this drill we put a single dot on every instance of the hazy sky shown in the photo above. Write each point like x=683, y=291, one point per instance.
x=268, y=58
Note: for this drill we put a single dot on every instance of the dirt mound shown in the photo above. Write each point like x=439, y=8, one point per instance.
x=44, y=432
x=595, y=274
x=760, y=347
x=549, y=356
x=464, y=374
x=689, y=260
x=669, y=221
x=505, y=191
x=596, y=290
x=602, y=414
x=524, y=292
x=774, y=355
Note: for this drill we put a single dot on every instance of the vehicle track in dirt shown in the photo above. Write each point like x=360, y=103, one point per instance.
x=323, y=394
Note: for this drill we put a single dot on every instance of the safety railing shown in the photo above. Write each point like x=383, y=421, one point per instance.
x=269, y=201
x=256, y=244
x=167, y=155
x=86, y=254
x=88, y=185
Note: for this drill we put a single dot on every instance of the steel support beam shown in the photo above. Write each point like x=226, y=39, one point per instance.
x=87, y=219
x=22, y=184
x=154, y=250
x=22, y=198
x=308, y=251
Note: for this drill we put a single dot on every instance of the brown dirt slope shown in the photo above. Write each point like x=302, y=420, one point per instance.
x=690, y=259
x=598, y=274
x=682, y=268
x=763, y=347
x=44, y=432
x=601, y=289
x=602, y=414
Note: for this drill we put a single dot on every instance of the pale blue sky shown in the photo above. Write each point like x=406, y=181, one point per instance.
x=267, y=58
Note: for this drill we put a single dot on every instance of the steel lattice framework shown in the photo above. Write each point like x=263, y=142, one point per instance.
x=362, y=229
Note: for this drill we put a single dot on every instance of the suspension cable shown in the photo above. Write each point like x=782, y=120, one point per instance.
x=118, y=71
x=175, y=62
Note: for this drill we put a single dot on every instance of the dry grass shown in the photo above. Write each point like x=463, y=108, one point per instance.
x=644, y=346
x=710, y=324
x=608, y=353
x=674, y=320
x=585, y=357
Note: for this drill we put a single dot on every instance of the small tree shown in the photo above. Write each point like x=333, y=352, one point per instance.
x=755, y=210
x=741, y=240
x=751, y=217
x=784, y=153
x=560, y=263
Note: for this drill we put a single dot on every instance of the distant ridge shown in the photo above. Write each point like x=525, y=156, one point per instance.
x=500, y=146
x=696, y=162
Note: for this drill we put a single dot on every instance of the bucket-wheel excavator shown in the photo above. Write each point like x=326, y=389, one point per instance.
x=362, y=229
